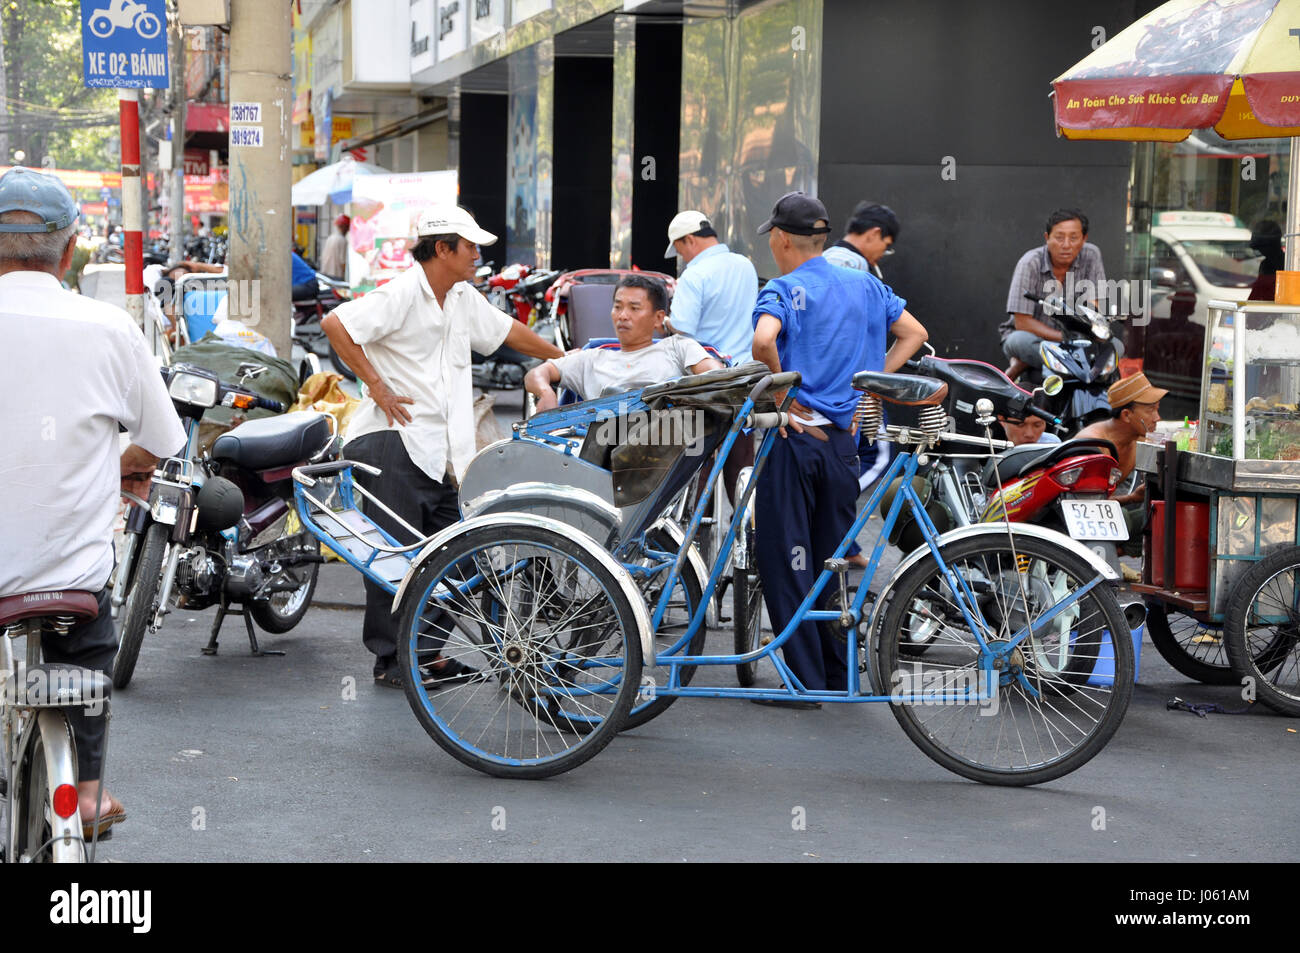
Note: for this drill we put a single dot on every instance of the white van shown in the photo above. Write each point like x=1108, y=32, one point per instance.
x=1206, y=253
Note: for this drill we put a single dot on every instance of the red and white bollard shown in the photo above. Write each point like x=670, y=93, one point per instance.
x=128, y=101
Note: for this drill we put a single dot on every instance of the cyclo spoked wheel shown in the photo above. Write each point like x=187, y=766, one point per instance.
x=1191, y=647
x=1052, y=712
x=557, y=671
x=681, y=606
x=1262, y=630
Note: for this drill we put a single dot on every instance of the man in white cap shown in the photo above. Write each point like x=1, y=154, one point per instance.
x=78, y=368
x=713, y=303
x=409, y=342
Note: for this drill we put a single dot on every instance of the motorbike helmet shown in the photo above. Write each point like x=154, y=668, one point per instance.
x=220, y=503
x=906, y=534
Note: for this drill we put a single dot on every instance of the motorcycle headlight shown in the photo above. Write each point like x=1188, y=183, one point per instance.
x=1111, y=362
x=193, y=389
x=1051, y=360
x=1101, y=329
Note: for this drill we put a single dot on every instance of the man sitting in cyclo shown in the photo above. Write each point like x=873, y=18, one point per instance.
x=640, y=305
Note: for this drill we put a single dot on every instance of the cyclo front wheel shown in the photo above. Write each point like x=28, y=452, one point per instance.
x=556, y=658
x=1060, y=695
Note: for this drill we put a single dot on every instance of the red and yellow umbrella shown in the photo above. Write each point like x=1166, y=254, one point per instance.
x=1230, y=65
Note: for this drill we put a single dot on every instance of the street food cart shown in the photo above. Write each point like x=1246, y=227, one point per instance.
x=1221, y=568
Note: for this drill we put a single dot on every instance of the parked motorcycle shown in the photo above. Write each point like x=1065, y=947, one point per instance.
x=1087, y=360
x=1062, y=486
x=218, y=528
x=521, y=293
x=307, y=314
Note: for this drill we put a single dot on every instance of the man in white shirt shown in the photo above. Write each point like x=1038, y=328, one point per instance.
x=78, y=369
x=639, y=360
x=409, y=342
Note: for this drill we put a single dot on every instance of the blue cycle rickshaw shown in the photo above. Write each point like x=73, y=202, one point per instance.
x=582, y=611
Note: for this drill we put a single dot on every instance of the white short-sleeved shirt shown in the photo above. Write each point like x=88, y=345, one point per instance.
x=76, y=369
x=422, y=351
x=599, y=371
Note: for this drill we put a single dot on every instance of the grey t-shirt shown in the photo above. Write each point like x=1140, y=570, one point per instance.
x=1034, y=273
x=599, y=371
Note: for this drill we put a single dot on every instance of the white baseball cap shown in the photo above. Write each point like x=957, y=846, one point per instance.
x=683, y=224
x=452, y=220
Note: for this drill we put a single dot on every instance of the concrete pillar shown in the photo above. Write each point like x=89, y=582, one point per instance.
x=261, y=218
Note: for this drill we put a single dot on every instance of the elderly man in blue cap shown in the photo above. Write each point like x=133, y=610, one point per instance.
x=80, y=368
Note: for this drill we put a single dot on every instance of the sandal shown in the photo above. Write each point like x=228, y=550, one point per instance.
x=115, y=814
x=389, y=679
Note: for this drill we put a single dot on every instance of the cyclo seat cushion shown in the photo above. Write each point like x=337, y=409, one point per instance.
x=274, y=441
x=77, y=603
x=905, y=389
x=1017, y=461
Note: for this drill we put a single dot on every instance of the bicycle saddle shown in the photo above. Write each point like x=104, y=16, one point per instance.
x=78, y=603
x=904, y=389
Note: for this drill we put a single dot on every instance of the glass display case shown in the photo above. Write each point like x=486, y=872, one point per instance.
x=1250, y=387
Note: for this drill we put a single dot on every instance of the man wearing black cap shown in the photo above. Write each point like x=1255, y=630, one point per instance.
x=827, y=323
x=79, y=368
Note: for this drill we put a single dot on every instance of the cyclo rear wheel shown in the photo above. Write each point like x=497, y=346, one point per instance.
x=557, y=671
x=1055, y=706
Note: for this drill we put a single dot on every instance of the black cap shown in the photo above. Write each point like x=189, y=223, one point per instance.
x=798, y=214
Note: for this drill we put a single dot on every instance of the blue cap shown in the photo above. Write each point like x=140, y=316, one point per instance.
x=24, y=190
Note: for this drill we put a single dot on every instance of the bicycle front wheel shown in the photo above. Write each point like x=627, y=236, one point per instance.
x=1051, y=704
x=520, y=650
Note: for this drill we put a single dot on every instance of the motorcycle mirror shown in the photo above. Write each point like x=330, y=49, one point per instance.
x=1052, y=385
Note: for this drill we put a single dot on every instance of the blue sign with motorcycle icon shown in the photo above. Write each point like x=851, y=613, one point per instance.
x=124, y=43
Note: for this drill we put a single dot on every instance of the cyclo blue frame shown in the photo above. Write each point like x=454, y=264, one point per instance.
x=904, y=465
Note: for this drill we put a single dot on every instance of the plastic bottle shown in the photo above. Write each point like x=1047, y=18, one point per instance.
x=1183, y=440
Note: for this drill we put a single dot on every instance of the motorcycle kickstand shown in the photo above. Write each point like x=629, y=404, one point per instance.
x=222, y=611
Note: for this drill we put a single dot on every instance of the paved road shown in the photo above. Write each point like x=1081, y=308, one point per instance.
x=240, y=758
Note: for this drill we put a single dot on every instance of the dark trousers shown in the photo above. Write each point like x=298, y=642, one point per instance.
x=425, y=503
x=806, y=501
x=741, y=456
x=91, y=645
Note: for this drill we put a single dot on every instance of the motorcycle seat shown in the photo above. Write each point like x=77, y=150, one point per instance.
x=905, y=389
x=274, y=441
x=78, y=603
x=1016, y=462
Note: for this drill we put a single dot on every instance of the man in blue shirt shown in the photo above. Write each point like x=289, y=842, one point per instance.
x=303, y=278
x=828, y=323
x=716, y=291
x=713, y=304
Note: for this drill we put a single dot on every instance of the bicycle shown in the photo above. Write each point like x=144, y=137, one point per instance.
x=1026, y=683
x=40, y=783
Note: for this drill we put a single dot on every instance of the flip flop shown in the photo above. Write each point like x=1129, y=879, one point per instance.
x=115, y=814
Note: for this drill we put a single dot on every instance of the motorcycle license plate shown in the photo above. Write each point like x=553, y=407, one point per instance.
x=1094, y=519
